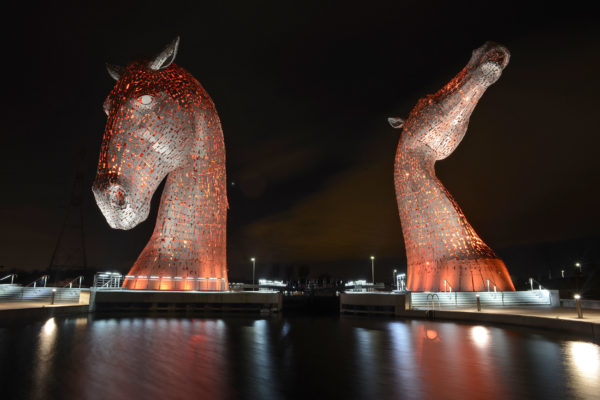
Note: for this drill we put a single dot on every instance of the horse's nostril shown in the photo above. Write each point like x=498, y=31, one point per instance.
x=120, y=197
x=117, y=195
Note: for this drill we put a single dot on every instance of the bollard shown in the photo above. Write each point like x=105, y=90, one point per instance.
x=52, y=297
x=478, y=302
x=578, y=306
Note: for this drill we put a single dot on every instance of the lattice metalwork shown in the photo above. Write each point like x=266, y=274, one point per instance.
x=161, y=122
x=442, y=248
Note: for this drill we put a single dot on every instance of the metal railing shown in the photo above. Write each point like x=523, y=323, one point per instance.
x=447, y=286
x=70, y=284
x=531, y=281
x=43, y=278
x=433, y=297
x=11, y=276
x=493, y=283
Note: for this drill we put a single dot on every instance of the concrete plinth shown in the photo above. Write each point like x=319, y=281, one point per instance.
x=188, y=301
x=373, y=303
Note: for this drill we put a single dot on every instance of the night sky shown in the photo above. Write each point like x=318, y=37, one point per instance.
x=303, y=92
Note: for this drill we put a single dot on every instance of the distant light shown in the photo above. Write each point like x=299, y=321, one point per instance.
x=54, y=290
x=577, y=297
x=360, y=282
x=267, y=282
x=372, y=257
x=252, y=259
x=577, y=264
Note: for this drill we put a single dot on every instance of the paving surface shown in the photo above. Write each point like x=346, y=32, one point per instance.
x=589, y=315
x=26, y=304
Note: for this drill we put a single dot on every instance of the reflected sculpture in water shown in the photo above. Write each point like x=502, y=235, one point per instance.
x=303, y=358
x=442, y=248
x=161, y=122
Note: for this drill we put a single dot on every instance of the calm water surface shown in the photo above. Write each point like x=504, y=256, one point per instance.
x=296, y=358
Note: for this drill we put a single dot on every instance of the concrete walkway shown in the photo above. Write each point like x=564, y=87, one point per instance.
x=559, y=319
x=13, y=311
x=589, y=315
x=16, y=305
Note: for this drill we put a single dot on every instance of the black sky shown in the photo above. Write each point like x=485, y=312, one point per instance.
x=303, y=91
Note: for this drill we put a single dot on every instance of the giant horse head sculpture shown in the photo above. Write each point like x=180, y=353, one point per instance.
x=162, y=123
x=443, y=251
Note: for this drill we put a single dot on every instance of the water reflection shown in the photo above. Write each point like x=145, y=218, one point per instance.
x=44, y=358
x=585, y=359
x=480, y=336
x=239, y=357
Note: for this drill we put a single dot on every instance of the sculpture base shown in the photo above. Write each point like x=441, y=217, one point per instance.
x=175, y=283
x=137, y=301
x=459, y=276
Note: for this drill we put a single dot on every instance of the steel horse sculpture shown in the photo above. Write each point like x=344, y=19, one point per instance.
x=444, y=252
x=161, y=122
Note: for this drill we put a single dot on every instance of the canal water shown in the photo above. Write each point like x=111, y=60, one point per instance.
x=290, y=358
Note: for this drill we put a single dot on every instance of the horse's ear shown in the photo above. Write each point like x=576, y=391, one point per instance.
x=396, y=122
x=115, y=71
x=165, y=57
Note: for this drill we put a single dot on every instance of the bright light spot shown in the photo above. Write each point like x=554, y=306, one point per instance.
x=577, y=297
x=480, y=335
x=431, y=334
x=585, y=359
x=50, y=326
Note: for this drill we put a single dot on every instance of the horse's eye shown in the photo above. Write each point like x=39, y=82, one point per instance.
x=145, y=99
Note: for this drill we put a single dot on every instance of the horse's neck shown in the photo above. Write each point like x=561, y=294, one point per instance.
x=194, y=200
x=432, y=222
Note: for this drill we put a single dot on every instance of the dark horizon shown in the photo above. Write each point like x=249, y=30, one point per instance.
x=303, y=93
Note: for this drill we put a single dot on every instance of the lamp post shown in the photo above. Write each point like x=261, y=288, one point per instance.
x=373, y=269
x=395, y=281
x=253, y=270
x=577, y=298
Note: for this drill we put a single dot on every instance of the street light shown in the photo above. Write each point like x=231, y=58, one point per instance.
x=395, y=279
x=578, y=265
x=577, y=298
x=253, y=270
x=373, y=269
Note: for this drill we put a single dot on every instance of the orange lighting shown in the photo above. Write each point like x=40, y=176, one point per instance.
x=442, y=248
x=162, y=123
